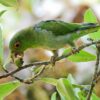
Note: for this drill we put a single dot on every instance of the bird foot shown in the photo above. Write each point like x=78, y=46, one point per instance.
x=90, y=39
x=53, y=58
x=75, y=50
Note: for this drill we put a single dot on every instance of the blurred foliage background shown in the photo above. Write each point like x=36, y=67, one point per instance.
x=26, y=13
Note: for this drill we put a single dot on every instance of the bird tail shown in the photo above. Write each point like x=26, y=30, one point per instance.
x=89, y=27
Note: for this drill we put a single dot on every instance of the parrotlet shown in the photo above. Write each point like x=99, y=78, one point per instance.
x=50, y=34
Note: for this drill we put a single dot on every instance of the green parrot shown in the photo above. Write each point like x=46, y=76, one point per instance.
x=50, y=34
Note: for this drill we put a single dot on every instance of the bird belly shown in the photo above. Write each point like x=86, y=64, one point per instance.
x=54, y=43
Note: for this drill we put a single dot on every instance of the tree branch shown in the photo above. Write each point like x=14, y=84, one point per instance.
x=47, y=62
x=95, y=74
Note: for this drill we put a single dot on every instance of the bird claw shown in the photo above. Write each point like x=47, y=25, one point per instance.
x=90, y=39
x=53, y=58
x=75, y=50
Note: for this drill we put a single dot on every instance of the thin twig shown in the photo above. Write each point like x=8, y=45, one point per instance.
x=95, y=75
x=78, y=49
x=98, y=74
x=21, y=80
x=31, y=80
x=24, y=67
x=97, y=79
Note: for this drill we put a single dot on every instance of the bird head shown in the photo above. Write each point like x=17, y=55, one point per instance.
x=16, y=49
x=18, y=44
x=21, y=41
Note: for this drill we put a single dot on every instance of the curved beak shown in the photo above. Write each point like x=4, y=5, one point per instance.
x=15, y=56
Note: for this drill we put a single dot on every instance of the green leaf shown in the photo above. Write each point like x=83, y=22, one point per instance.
x=51, y=81
x=82, y=56
x=9, y=3
x=76, y=87
x=1, y=49
x=94, y=97
x=90, y=17
x=53, y=97
x=81, y=97
x=95, y=36
x=81, y=87
x=38, y=69
x=1, y=99
x=71, y=79
x=7, y=88
x=74, y=84
x=65, y=89
x=2, y=12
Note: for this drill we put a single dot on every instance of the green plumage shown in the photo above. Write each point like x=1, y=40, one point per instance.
x=50, y=35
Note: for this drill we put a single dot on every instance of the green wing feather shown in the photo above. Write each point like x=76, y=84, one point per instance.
x=58, y=27
x=63, y=28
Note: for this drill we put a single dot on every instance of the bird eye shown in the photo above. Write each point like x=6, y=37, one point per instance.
x=17, y=44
